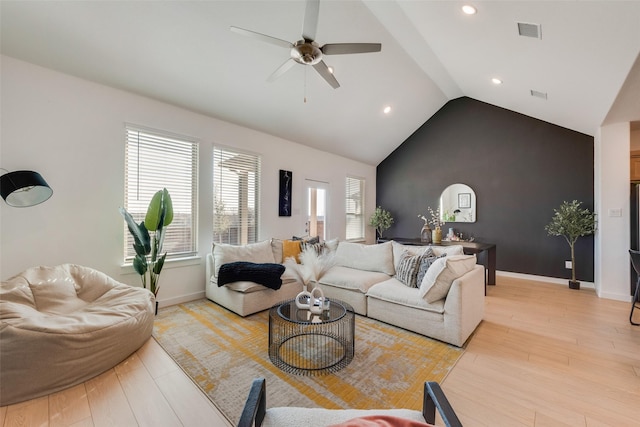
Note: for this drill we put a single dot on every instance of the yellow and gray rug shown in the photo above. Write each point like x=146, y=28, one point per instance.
x=223, y=352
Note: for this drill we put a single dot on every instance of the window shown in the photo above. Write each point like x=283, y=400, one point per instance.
x=155, y=160
x=355, y=209
x=236, y=196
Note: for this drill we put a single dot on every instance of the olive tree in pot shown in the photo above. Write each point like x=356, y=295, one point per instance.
x=572, y=222
x=381, y=220
x=148, y=246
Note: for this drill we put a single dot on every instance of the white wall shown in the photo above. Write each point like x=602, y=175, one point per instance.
x=72, y=132
x=612, y=239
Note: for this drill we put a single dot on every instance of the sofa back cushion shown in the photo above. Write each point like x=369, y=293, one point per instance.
x=448, y=250
x=223, y=253
x=366, y=257
x=441, y=274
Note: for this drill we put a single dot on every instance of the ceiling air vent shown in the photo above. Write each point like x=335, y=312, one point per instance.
x=538, y=94
x=530, y=30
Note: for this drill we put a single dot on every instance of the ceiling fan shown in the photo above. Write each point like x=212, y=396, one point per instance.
x=307, y=51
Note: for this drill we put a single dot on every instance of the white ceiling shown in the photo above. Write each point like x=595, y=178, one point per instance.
x=182, y=52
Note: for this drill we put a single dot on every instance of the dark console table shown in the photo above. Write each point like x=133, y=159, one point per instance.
x=487, y=252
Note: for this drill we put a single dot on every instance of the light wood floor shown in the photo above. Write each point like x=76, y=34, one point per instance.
x=543, y=356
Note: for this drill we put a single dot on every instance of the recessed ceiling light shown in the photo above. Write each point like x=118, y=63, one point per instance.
x=387, y=109
x=468, y=9
x=496, y=81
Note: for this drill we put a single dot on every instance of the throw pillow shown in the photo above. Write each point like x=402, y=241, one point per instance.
x=440, y=276
x=291, y=249
x=266, y=274
x=315, y=239
x=381, y=421
x=407, y=269
x=317, y=247
x=426, y=261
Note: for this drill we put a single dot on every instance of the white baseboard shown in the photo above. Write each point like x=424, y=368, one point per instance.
x=554, y=280
x=180, y=299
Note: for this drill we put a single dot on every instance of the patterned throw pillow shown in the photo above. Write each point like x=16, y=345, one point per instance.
x=425, y=262
x=407, y=269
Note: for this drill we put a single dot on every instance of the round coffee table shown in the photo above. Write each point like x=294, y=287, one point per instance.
x=304, y=343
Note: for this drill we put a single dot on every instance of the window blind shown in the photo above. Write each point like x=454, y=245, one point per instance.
x=236, y=196
x=155, y=160
x=355, y=209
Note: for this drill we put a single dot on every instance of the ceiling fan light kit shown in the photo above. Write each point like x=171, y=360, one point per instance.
x=307, y=51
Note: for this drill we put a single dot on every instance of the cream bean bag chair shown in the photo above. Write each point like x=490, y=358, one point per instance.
x=60, y=326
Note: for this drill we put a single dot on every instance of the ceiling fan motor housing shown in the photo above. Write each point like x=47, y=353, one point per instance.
x=306, y=52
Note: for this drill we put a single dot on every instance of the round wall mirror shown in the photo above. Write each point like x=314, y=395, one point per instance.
x=458, y=204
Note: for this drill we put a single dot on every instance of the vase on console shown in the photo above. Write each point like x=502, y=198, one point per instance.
x=425, y=234
x=437, y=236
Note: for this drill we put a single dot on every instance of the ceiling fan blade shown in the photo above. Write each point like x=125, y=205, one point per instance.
x=347, y=48
x=262, y=37
x=323, y=70
x=310, y=26
x=281, y=69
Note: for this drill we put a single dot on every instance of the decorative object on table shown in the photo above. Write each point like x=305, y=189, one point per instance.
x=313, y=265
x=436, y=222
x=148, y=247
x=572, y=222
x=22, y=189
x=284, y=201
x=381, y=220
x=425, y=233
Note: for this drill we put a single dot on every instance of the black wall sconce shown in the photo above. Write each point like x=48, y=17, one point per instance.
x=24, y=188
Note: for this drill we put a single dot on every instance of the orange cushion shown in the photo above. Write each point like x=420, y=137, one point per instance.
x=291, y=248
x=381, y=421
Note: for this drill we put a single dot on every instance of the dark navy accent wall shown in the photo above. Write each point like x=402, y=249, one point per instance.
x=520, y=168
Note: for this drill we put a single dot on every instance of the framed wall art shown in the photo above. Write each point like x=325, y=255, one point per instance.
x=284, y=199
x=464, y=200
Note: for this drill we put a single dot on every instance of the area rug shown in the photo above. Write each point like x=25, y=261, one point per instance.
x=223, y=352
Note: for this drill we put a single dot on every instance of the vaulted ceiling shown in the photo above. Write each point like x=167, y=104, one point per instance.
x=183, y=53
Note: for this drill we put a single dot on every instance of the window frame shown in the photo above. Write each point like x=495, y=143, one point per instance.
x=349, y=190
x=253, y=191
x=178, y=145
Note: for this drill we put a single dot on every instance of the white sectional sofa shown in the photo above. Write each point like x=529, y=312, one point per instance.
x=447, y=304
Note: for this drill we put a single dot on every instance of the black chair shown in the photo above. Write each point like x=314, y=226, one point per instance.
x=434, y=399
x=635, y=262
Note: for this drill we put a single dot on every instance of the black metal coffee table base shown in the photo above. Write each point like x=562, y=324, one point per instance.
x=303, y=343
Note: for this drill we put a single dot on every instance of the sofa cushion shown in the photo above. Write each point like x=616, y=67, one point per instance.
x=423, y=266
x=395, y=292
x=398, y=249
x=223, y=253
x=295, y=417
x=448, y=250
x=351, y=278
x=291, y=249
x=437, y=282
x=407, y=269
x=266, y=274
x=366, y=257
x=276, y=248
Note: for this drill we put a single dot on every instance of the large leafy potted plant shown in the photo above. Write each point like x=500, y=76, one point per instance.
x=148, y=238
x=381, y=220
x=572, y=222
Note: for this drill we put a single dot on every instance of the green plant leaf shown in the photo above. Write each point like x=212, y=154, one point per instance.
x=157, y=267
x=138, y=231
x=140, y=265
x=160, y=210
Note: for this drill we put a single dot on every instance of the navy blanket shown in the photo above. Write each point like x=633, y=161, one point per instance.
x=267, y=274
